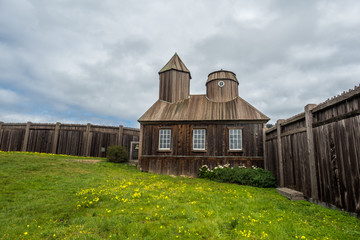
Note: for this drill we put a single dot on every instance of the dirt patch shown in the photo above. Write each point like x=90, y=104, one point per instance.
x=88, y=161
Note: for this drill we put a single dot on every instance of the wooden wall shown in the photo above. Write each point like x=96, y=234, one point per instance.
x=182, y=160
x=174, y=86
x=222, y=94
x=70, y=139
x=189, y=166
x=318, y=152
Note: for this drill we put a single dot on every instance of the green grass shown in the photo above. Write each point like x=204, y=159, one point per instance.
x=46, y=196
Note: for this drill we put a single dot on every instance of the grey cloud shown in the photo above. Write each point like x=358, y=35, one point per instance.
x=8, y=98
x=82, y=60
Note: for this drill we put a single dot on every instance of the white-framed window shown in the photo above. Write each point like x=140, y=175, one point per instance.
x=164, y=139
x=199, y=139
x=235, y=139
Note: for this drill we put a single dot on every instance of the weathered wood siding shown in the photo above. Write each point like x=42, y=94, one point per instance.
x=70, y=139
x=271, y=154
x=174, y=86
x=320, y=152
x=216, y=152
x=11, y=137
x=189, y=166
x=227, y=92
x=222, y=94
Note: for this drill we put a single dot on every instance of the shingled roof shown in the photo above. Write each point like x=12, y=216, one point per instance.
x=175, y=63
x=200, y=108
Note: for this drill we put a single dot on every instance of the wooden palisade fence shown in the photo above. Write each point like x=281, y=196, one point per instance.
x=317, y=152
x=70, y=139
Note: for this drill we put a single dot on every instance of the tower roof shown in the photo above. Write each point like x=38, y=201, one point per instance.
x=175, y=63
x=222, y=75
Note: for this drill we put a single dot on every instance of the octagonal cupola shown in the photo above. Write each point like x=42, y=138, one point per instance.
x=222, y=86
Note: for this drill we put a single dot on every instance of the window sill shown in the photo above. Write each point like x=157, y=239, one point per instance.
x=199, y=150
x=240, y=150
x=164, y=150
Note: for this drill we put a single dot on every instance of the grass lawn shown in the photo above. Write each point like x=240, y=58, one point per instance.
x=45, y=196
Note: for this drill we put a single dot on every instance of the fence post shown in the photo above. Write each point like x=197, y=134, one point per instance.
x=56, y=138
x=264, y=145
x=88, y=140
x=26, y=137
x=311, y=152
x=139, y=166
x=280, y=158
x=1, y=123
x=120, y=135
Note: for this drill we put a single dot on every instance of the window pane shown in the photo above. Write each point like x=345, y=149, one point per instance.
x=164, y=138
x=235, y=139
x=199, y=139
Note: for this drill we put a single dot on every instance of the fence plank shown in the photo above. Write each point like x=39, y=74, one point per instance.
x=26, y=137
x=88, y=136
x=120, y=135
x=56, y=138
x=280, y=158
x=1, y=133
x=310, y=150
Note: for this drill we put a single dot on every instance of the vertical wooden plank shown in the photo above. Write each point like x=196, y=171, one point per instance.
x=356, y=161
x=26, y=137
x=141, y=140
x=175, y=138
x=326, y=151
x=264, y=145
x=1, y=133
x=88, y=140
x=339, y=170
x=354, y=176
x=318, y=155
x=56, y=138
x=97, y=147
x=120, y=136
x=279, y=150
x=5, y=136
x=310, y=150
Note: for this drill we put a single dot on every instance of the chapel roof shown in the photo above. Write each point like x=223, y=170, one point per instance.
x=200, y=108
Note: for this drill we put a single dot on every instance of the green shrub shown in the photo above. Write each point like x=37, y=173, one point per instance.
x=205, y=172
x=254, y=176
x=117, y=154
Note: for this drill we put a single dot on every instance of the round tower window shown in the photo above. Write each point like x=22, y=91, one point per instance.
x=221, y=83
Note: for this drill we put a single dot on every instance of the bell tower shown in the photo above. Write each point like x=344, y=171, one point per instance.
x=174, y=81
x=222, y=86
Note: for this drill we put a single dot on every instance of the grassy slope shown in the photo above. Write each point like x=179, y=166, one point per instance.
x=49, y=196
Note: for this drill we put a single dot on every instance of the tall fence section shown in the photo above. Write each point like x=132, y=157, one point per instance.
x=317, y=152
x=70, y=139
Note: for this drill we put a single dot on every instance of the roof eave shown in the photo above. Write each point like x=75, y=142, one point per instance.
x=167, y=70
x=205, y=121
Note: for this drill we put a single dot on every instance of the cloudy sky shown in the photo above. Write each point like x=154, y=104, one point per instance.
x=90, y=61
